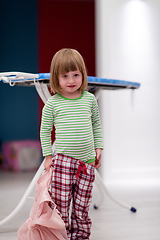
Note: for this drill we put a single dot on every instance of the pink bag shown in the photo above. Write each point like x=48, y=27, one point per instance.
x=44, y=222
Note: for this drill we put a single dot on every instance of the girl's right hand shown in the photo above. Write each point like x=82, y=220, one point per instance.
x=48, y=162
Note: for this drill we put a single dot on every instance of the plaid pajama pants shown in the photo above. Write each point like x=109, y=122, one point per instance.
x=73, y=180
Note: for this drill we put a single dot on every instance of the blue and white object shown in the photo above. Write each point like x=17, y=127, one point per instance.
x=21, y=78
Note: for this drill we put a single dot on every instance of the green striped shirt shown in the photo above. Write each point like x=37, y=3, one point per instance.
x=77, y=126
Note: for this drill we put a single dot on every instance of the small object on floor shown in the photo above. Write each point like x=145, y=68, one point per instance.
x=133, y=209
x=95, y=207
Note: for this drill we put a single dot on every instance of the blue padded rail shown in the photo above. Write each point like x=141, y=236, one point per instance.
x=100, y=81
x=92, y=81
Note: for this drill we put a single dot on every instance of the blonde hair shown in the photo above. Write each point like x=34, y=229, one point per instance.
x=66, y=60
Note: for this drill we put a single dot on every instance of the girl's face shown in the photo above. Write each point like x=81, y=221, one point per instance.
x=70, y=83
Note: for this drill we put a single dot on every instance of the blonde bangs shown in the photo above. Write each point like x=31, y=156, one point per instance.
x=68, y=63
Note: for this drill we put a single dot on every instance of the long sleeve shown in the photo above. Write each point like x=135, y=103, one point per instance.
x=96, y=124
x=46, y=128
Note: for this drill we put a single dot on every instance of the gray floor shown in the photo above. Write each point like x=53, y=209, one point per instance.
x=110, y=221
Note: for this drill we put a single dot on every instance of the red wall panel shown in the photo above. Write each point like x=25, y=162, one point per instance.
x=64, y=23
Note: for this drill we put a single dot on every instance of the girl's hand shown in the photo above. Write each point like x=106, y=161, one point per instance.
x=48, y=162
x=98, y=157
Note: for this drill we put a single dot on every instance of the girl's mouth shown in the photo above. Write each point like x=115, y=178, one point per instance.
x=71, y=86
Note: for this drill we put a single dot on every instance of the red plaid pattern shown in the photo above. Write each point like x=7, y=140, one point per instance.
x=73, y=180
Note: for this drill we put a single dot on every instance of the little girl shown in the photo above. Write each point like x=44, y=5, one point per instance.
x=78, y=145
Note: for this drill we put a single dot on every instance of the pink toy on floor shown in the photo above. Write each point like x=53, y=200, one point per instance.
x=24, y=155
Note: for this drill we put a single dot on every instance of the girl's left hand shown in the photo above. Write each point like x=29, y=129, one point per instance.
x=98, y=157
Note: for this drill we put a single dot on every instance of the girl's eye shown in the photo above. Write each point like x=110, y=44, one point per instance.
x=76, y=75
x=65, y=76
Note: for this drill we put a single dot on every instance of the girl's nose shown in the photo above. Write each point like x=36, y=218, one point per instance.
x=71, y=79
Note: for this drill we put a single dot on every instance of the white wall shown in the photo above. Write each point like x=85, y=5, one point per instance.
x=128, y=48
